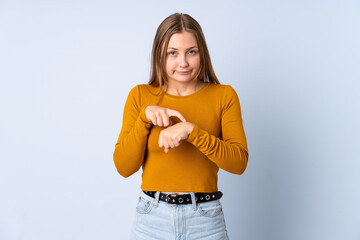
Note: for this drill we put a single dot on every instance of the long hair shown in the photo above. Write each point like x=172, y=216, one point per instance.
x=178, y=23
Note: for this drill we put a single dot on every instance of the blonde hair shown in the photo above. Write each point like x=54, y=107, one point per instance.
x=178, y=23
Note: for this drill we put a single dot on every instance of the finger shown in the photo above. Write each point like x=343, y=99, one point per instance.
x=166, y=150
x=176, y=114
x=147, y=113
x=171, y=144
x=153, y=119
x=166, y=144
x=159, y=119
x=166, y=120
x=161, y=141
x=176, y=142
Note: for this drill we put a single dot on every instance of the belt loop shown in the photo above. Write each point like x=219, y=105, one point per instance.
x=193, y=200
x=156, y=200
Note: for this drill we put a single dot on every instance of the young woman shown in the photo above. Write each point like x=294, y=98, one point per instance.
x=181, y=128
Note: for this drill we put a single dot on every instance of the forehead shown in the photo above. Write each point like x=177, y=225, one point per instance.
x=182, y=40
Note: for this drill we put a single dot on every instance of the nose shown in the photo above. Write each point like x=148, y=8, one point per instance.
x=183, y=62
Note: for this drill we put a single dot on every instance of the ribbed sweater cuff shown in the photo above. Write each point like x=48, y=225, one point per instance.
x=194, y=133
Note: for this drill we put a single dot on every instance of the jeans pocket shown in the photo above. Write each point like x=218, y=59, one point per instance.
x=210, y=209
x=144, y=206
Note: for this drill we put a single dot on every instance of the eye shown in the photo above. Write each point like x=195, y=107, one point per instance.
x=172, y=53
x=192, y=52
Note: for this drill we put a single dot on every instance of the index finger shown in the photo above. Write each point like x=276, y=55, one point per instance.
x=176, y=114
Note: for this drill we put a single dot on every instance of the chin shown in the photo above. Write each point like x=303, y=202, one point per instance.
x=184, y=80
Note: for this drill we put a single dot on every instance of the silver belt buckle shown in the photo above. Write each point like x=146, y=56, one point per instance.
x=167, y=198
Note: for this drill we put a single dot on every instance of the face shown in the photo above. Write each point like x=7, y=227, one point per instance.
x=182, y=58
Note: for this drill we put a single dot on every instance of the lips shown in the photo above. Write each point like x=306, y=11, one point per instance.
x=184, y=72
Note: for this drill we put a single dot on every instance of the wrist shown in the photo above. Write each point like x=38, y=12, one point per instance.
x=189, y=127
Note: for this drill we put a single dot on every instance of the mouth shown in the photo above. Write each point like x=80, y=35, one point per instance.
x=183, y=72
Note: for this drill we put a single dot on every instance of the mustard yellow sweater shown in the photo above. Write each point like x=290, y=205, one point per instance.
x=216, y=141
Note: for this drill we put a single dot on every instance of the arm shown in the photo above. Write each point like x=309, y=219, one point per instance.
x=130, y=148
x=229, y=153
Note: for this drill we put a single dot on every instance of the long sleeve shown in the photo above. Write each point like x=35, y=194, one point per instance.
x=130, y=148
x=229, y=153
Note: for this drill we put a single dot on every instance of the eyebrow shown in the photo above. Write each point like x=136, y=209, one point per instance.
x=186, y=49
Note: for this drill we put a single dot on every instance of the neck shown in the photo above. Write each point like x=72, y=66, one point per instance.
x=182, y=89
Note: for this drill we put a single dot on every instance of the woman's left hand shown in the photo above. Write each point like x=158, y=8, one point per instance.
x=171, y=137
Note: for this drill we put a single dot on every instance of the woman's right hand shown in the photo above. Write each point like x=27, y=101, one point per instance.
x=160, y=116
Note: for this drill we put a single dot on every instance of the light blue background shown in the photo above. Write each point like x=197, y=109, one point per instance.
x=66, y=68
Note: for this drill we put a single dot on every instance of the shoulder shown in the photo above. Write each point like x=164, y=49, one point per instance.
x=225, y=94
x=145, y=89
x=144, y=94
x=222, y=89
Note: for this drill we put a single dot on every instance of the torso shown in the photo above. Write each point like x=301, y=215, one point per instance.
x=198, y=87
x=180, y=159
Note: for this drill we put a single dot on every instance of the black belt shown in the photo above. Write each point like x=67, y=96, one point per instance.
x=185, y=198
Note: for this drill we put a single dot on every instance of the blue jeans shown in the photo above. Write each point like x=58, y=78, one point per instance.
x=157, y=220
